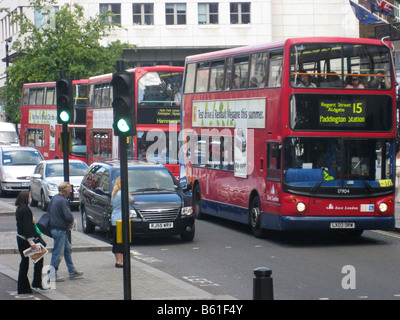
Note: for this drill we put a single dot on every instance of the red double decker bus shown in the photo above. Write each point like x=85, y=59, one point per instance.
x=157, y=103
x=298, y=134
x=39, y=126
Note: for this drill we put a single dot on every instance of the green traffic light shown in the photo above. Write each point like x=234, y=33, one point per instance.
x=64, y=116
x=122, y=125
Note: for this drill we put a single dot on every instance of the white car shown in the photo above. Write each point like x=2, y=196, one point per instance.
x=49, y=174
x=16, y=166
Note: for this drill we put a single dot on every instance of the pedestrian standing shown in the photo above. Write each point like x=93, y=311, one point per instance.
x=116, y=214
x=27, y=236
x=61, y=220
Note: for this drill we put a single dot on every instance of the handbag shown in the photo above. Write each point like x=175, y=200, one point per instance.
x=106, y=224
x=44, y=224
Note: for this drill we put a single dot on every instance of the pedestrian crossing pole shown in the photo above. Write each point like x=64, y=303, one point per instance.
x=123, y=152
x=125, y=217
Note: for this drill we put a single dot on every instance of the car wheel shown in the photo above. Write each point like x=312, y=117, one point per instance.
x=44, y=204
x=197, y=203
x=87, y=225
x=188, y=236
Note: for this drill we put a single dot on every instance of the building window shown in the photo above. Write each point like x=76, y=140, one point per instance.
x=143, y=13
x=45, y=17
x=175, y=13
x=208, y=13
x=111, y=8
x=240, y=12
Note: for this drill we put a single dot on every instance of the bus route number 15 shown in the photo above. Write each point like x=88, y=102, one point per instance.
x=357, y=107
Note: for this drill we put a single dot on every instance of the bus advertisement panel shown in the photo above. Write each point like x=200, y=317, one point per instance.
x=298, y=134
x=39, y=126
x=157, y=103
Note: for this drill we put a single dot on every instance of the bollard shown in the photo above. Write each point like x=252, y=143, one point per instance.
x=262, y=284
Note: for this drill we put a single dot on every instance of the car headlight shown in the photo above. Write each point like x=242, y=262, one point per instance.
x=187, y=211
x=52, y=187
x=132, y=213
x=7, y=176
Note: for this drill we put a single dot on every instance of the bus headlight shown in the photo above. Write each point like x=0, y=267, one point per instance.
x=383, y=207
x=301, y=207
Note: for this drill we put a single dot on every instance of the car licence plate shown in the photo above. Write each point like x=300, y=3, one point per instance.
x=343, y=225
x=161, y=225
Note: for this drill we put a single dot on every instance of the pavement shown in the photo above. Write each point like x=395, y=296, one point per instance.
x=101, y=280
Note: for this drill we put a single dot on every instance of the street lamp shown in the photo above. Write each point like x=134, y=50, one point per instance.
x=8, y=40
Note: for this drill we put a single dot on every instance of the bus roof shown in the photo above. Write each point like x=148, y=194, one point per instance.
x=108, y=76
x=276, y=45
x=50, y=83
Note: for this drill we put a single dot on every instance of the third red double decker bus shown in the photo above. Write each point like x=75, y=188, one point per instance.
x=157, y=102
x=39, y=126
x=298, y=134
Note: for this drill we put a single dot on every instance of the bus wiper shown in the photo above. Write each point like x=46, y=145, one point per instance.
x=325, y=177
x=367, y=186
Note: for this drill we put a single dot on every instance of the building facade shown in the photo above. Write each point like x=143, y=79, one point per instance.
x=165, y=32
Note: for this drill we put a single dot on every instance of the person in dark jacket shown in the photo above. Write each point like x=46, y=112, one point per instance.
x=61, y=219
x=26, y=236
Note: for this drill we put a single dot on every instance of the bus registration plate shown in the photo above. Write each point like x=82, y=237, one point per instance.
x=161, y=225
x=343, y=225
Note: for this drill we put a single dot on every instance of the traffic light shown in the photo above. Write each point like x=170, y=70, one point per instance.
x=124, y=103
x=65, y=106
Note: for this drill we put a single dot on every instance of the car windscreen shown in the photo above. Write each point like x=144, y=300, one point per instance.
x=21, y=157
x=9, y=137
x=149, y=180
x=57, y=169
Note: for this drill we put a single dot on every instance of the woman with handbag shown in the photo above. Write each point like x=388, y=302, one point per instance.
x=27, y=236
x=116, y=214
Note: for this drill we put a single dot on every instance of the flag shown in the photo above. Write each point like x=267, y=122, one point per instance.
x=383, y=7
x=363, y=14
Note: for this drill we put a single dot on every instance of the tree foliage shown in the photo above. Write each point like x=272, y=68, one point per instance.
x=65, y=41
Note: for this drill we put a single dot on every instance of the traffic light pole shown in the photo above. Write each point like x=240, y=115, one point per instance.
x=65, y=137
x=125, y=216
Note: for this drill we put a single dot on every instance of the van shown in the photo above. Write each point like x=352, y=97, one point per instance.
x=8, y=134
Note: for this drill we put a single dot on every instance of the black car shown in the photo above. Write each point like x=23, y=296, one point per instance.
x=160, y=208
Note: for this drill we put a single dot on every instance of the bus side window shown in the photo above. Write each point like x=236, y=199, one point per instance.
x=202, y=76
x=273, y=161
x=25, y=99
x=216, y=75
x=241, y=71
x=190, y=78
x=275, y=69
x=228, y=74
x=258, y=68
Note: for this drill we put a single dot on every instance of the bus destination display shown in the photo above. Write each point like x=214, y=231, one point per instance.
x=342, y=113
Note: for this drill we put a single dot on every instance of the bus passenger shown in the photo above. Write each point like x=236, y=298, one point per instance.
x=306, y=82
x=355, y=83
x=236, y=82
x=380, y=82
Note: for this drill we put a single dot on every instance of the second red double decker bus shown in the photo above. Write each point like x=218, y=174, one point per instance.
x=298, y=134
x=157, y=102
